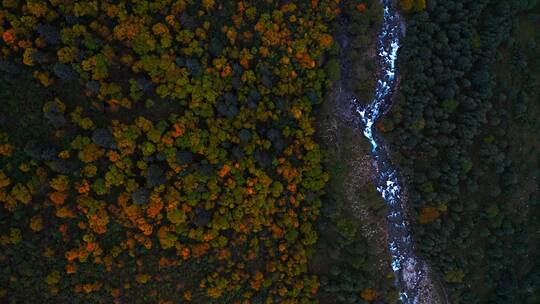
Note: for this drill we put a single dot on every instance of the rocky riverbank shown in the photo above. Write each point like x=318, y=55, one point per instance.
x=412, y=273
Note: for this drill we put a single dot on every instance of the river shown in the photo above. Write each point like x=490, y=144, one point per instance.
x=410, y=270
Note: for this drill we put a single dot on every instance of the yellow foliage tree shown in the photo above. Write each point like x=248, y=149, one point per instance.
x=413, y=5
x=368, y=294
x=36, y=223
x=428, y=214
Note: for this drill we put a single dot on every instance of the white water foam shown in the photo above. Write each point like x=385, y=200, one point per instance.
x=404, y=262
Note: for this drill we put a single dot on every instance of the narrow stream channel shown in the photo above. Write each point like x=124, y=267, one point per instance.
x=409, y=269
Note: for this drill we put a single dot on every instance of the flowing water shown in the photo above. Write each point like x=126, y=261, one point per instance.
x=409, y=269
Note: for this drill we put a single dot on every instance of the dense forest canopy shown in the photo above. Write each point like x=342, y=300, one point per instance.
x=184, y=151
x=160, y=150
x=465, y=130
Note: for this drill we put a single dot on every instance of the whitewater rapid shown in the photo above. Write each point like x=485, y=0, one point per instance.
x=409, y=270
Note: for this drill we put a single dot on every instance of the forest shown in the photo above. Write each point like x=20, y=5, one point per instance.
x=465, y=130
x=160, y=151
x=183, y=151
